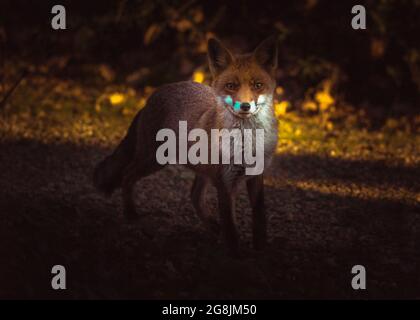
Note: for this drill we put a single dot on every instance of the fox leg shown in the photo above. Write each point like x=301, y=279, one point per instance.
x=198, y=192
x=128, y=184
x=226, y=198
x=133, y=173
x=255, y=186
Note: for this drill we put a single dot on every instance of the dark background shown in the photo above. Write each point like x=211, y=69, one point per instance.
x=164, y=41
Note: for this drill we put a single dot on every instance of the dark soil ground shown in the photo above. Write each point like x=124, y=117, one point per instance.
x=326, y=215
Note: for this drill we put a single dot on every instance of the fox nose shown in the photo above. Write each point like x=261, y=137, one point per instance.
x=245, y=106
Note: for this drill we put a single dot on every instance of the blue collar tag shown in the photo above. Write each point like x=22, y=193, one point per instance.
x=228, y=100
x=236, y=106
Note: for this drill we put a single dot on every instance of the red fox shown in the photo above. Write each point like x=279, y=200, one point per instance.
x=241, y=97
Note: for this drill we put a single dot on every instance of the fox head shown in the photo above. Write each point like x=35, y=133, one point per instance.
x=244, y=83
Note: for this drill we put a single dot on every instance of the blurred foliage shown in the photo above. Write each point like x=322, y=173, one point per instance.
x=66, y=111
x=152, y=42
x=338, y=88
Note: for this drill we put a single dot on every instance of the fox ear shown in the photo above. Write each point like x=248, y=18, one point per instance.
x=266, y=53
x=219, y=57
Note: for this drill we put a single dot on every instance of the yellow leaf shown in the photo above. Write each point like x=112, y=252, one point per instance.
x=148, y=90
x=141, y=103
x=280, y=108
x=151, y=33
x=392, y=123
x=198, y=16
x=202, y=46
x=183, y=25
x=279, y=90
x=116, y=98
x=198, y=76
x=127, y=111
x=329, y=125
x=309, y=106
x=106, y=72
x=377, y=48
x=324, y=99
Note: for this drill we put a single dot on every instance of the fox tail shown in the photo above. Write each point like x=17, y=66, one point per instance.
x=109, y=173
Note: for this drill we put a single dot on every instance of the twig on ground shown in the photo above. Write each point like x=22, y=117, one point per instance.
x=13, y=88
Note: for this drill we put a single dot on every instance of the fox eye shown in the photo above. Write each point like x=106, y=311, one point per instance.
x=258, y=85
x=230, y=86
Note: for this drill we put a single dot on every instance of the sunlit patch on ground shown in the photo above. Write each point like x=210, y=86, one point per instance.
x=349, y=189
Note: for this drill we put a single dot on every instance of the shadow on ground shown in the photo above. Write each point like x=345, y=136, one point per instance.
x=50, y=214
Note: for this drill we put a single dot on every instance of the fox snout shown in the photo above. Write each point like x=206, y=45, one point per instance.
x=245, y=106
